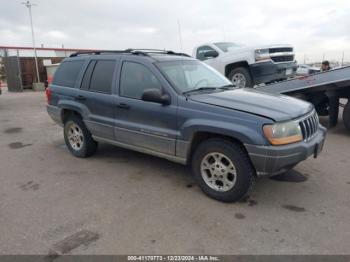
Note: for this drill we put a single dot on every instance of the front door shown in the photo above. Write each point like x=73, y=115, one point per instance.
x=200, y=56
x=145, y=125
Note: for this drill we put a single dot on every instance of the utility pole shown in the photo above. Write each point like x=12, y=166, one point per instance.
x=29, y=5
x=342, y=59
x=180, y=36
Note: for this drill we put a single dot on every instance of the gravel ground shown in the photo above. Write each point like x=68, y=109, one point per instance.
x=122, y=202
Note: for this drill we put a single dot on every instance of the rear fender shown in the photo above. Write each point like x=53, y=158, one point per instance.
x=74, y=106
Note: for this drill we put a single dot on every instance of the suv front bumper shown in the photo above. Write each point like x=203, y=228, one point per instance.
x=265, y=72
x=273, y=160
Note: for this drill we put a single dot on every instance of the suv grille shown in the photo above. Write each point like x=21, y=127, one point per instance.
x=286, y=58
x=309, y=125
x=280, y=49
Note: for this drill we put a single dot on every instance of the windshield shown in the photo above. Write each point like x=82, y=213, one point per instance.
x=227, y=46
x=187, y=75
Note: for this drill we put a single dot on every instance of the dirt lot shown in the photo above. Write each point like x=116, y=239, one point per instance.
x=122, y=202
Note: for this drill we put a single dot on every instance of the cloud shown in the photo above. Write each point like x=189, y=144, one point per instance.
x=57, y=35
x=313, y=26
x=139, y=30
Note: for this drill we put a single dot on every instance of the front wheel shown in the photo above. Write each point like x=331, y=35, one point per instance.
x=240, y=77
x=223, y=170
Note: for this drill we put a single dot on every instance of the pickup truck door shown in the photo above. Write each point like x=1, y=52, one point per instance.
x=142, y=124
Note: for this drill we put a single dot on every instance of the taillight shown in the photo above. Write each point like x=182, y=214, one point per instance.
x=48, y=93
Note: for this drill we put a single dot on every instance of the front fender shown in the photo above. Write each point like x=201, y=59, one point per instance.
x=243, y=56
x=251, y=134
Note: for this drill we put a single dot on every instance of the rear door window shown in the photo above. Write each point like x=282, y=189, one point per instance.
x=102, y=76
x=98, y=76
x=67, y=74
x=85, y=84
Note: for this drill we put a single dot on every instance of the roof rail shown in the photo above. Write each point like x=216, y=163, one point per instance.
x=158, y=51
x=99, y=52
x=144, y=52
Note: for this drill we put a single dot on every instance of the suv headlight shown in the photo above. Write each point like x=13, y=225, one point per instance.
x=262, y=55
x=283, y=133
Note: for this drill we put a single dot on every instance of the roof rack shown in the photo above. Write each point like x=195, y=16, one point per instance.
x=98, y=52
x=158, y=51
x=144, y=52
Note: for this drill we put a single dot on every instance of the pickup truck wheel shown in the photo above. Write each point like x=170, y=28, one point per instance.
x=333, y=111
x=346, y=116
x=240, y=77
x=223, y=170
x=78, y=139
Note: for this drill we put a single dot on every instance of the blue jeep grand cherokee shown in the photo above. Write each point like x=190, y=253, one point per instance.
x=173, y=106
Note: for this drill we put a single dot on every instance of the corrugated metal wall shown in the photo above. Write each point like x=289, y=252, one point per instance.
x=13, y=74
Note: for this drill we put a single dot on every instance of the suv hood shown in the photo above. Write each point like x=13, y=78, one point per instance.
x=275, y=107
x=252, y=48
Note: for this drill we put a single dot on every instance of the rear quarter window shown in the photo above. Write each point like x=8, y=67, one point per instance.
x=67, y=73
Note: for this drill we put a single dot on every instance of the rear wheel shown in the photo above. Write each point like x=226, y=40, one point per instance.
x=78, y=139
x=223, y=170
x=240, y=77
x=333, y=111
x=346, y=116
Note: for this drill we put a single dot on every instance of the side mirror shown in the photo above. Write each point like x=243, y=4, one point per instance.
x=155, y=95
x=211, y=54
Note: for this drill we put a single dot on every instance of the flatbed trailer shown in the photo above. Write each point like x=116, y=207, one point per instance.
x=324, y=90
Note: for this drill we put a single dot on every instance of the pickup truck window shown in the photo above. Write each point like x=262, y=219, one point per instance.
x=201, y=50
x=67, y=73
x=101, y=79
x=135, y=78
x=227, y=46
x=189, y=75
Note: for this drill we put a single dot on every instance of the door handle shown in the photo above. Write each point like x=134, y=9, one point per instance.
x=123, y=105
x=80, y=97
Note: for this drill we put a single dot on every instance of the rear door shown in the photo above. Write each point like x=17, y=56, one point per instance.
x=96, y=93
x=147, y=125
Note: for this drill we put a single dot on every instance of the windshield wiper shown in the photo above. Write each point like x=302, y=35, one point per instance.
x=206, y=88
x=210, y=88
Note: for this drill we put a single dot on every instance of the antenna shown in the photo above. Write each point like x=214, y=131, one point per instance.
x=180, y=37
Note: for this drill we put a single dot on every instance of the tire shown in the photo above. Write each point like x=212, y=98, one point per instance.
x=240, y=179
x=322, y=109
x=78, y=139
x=333, y=111
x=243, y=74
x=346, y=116
x=300, y=96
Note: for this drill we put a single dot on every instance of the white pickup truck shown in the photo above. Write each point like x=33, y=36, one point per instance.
x=249, y=66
